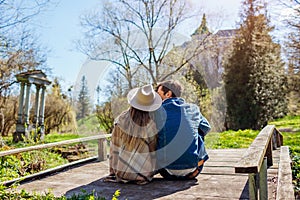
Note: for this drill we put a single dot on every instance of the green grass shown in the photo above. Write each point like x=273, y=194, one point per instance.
x=89, y=125
x=289, y=127
x=53, y=137
x=23, y=195
x=57, y=137
x=230, y=139
x=292, y=122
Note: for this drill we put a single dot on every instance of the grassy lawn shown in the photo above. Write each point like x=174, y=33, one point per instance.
x=288, y=126
x=290, y=129
x=230, y=139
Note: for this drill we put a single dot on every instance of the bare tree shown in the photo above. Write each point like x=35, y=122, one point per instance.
x=293, y=55
x=16, y=12
x=136, y=36
x=289, y=13
x=19, y=50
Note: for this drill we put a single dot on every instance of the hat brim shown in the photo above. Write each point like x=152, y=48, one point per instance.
x=133, y=101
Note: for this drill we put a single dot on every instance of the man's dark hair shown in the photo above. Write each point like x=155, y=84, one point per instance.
x=170, y=85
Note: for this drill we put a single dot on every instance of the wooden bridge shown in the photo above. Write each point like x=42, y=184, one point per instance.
x=262, y=171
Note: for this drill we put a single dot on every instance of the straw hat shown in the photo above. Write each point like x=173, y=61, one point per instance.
x=144, y=98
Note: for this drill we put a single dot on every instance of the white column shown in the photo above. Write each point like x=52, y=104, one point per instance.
x=21, y=104
x=26, y=113
x=20, y=125
x=41, y=116
x=36, y=113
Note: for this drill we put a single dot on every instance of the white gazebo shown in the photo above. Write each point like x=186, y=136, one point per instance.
x=26, y=79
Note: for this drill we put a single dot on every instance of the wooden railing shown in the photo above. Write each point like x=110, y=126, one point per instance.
x=256, y=160
x=102, y=153
x=285, y=189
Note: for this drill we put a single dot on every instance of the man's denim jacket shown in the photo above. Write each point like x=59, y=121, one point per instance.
x=179, y=145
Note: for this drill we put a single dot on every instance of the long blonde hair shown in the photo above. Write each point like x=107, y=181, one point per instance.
x=141, y=118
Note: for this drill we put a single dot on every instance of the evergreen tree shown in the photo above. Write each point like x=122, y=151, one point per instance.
x=254, y=74
x=83, y=106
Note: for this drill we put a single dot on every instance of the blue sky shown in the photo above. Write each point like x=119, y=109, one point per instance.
x=60, y=28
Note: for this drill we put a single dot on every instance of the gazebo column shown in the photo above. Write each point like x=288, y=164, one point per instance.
x=26, y=112
x=25, y=125
x=20, y=128
x=21, y=104
x=36, y=112
x=41, y=116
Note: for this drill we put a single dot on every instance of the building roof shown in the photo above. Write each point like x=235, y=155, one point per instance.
x=226, y=33
x=33, y=76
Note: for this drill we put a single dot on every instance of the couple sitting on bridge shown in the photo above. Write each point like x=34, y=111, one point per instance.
x=159, y=133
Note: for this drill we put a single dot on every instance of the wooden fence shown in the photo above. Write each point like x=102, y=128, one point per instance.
x=256, y=160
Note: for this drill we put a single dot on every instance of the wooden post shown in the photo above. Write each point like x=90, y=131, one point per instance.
x=285, y=189
x=275, y=140
x=102, y=155
x=263, y=181
x=269, y=153
x=252, y=186
x=279, y=138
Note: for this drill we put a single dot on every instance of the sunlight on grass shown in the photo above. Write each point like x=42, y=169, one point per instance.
x=292, y=122
x=230, y=139
x=56, y=137
x=289, y=127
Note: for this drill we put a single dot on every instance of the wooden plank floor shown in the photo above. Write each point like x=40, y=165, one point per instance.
x=217, y=181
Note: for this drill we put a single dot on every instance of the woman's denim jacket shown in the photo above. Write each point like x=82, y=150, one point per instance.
x=179, y=145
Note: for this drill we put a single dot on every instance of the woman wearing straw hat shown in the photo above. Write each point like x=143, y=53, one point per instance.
x=134, y=137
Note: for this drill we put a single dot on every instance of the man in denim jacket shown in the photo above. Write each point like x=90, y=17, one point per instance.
x=180, y=147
